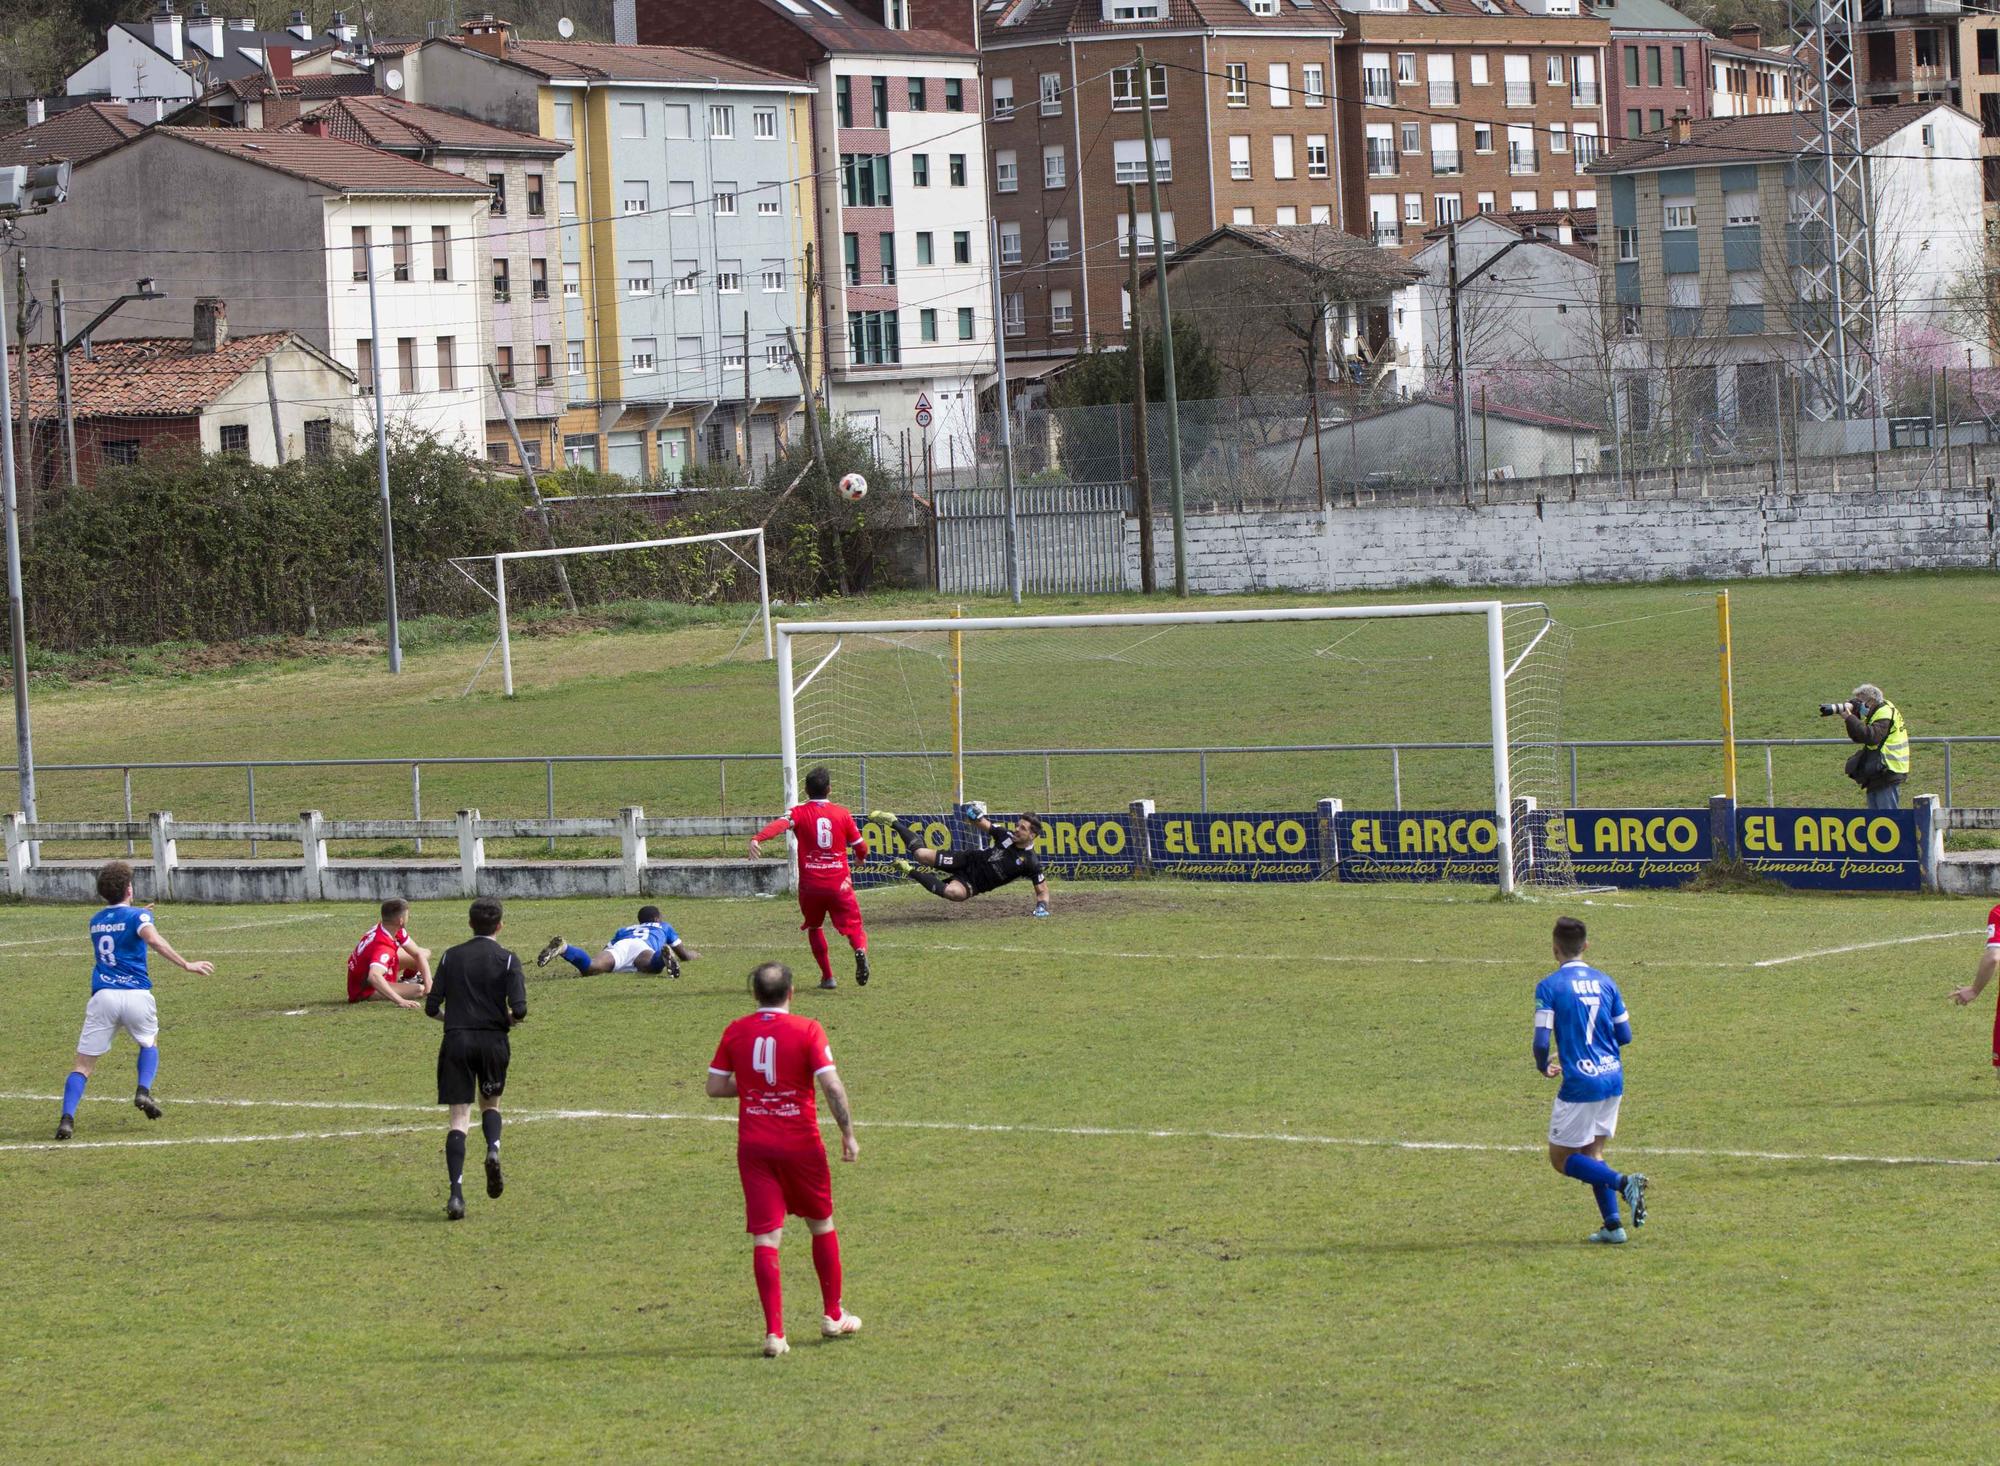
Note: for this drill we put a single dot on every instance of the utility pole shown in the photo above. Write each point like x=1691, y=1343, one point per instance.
x=17, y=617
x=1135, y=348
x=1006, y=412
x=534, y=484
x=747, y=467
x=382, y=468
x=23, y=323
x=1461, y=427
x=1166, y=337
x=803, y=362
x=63, y=401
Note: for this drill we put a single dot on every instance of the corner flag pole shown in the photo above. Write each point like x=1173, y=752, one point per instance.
x=1728, y=696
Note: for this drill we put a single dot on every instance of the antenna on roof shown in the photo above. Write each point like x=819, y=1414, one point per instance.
x=565, y=27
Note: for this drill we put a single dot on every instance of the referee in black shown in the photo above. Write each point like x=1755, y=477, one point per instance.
x=480, y=990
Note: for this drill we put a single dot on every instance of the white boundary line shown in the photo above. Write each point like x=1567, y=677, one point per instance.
x=1865, y=947
x=964, y=1127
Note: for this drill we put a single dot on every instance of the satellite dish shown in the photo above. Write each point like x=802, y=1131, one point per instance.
x=565, y=27
x=394, y=78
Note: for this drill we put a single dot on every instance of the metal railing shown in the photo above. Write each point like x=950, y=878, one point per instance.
x=763, y=792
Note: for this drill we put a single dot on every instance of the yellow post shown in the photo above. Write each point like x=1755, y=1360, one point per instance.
x=1728, y=697
x=958, y=710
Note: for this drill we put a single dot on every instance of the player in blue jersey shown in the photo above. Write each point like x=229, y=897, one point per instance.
x=1580, y=1008
x=650, y=946
x=121, y=994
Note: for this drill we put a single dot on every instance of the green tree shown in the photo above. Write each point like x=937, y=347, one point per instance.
x=1103, y=377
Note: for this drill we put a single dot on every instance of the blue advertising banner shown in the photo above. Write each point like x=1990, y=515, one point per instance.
x=1624, y=847
x=1286, y=845
x=1835, y=849
x=1417, y=845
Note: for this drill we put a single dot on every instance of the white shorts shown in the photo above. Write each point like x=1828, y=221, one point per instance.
x=628, y=954
x=111, y=1009
x=1574, y=1124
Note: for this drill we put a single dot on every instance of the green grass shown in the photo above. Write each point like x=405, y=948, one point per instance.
x=1030, y=1295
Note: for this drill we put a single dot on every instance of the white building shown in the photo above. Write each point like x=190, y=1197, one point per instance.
x=1528, y=293
x=170, y=59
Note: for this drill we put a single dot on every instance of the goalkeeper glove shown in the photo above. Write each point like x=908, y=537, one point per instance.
x=1041, y=908
x=972, y=809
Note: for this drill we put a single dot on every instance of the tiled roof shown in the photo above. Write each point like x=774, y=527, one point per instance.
x=152, y=376
x=1023, y=20
x=78, y=135
x=341, y=166
x=1356, y=266
x=418, y=131
x=305, y=88
x=1771, y=138
x=598, y=61
x=843, y=30
x=1422, y=10
x=232, y=62
x=1642, y=15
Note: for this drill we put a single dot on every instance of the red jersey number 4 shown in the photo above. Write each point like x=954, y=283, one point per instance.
x=775, y=1057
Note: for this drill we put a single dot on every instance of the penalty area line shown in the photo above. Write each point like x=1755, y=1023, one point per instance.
x=1863, y=947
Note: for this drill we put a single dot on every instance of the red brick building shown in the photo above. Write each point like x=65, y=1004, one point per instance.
x=1658, y=66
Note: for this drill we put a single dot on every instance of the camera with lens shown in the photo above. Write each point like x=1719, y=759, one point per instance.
x=1832, y=709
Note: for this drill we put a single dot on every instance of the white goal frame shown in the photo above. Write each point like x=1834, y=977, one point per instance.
x=500, y=562
x=1494, y=613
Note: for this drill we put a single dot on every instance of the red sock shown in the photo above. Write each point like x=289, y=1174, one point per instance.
x=817, y=940
x=764, y=1262
x=826, y=1262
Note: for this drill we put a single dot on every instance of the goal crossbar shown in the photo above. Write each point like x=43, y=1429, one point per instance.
x=1497, y=669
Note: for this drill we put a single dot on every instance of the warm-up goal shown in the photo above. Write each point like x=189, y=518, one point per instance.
x=1445, y=705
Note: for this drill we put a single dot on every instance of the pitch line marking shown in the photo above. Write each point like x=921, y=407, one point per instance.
x=165, y=1140
x=1864, y=947
x=964, y=1127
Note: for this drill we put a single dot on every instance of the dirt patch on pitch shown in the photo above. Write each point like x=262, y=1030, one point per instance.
x=921, y=909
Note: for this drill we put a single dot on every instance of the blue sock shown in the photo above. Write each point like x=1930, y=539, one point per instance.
x=1607, y=1204
x=149, y=1064
x=73, y=1091
x=1592, y=1173
x=577, y=958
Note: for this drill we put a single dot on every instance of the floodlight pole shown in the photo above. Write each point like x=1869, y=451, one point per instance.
x=1174, y=483
x=382, y=473
x=24, y=744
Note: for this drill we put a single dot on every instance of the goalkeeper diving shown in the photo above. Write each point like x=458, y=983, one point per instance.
x=959, y=875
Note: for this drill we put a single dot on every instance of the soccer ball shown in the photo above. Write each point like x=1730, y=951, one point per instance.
x=853, y=487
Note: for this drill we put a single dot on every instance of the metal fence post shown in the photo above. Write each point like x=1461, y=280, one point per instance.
x=1947, y=764
x=864, y=781
x=1204, y=780
x=1396, y=775
x=1574, y=798
x=130, y=847
x=1048, y=786
x=722, y=781
x=549, y=768
x=417, y=799
x=1770, y=781
x=250, y=770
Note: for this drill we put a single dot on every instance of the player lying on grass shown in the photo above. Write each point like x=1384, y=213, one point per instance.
x=386, y=963
x=959, y=875
x=1581, y=1008
x=121, y=994
x=825, y=832
x=650, y=946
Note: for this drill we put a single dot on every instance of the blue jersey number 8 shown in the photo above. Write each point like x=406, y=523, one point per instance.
x=107, y=951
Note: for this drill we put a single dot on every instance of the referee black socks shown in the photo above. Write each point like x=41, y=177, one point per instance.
x=489, y=1125
x=454, y=1157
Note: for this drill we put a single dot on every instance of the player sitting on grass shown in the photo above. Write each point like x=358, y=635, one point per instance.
x=969, y=873
x=1582, y=1009
x=387, y=964
x=121, y=994
x=651, y=947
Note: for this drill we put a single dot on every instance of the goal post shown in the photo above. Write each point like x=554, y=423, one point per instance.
x=728, y=539
x=811, y=681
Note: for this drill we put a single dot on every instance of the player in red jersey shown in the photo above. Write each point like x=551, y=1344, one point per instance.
x=825, y=832
x=769, y=1061
x=387, y=964
x=1988, y=964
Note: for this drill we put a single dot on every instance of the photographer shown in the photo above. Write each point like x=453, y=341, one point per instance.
x=1883, y=760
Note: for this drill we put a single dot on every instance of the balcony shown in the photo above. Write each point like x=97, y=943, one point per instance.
x=1381, y=159
x=1585, y=94
x=1520, y=94
x=1444, y=94
x=1925, y=7
x=1585, y=156
x=1522, y=160
x=1386, y=235
x=1376, y=91
x=1446, y=162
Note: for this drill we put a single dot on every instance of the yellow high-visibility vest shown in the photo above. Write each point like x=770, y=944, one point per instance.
x=1896, y=747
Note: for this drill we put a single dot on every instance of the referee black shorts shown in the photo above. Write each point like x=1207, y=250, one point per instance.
x=472, y=1063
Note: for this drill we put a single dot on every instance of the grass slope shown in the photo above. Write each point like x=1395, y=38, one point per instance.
x=1030, y=1295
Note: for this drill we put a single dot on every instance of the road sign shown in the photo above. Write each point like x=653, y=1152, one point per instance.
x=923, y=417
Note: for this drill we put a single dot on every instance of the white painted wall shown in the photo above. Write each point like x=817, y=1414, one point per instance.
x=130, y=71
x=1537, y=304
x=1927, y=205
x=308, y=388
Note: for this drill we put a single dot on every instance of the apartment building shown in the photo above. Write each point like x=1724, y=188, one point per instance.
x=683, y=205
x=518, y=249
x=1979, y=88
x=1245, y=135
x=905, y=304
x=1745, y=79
x=1458, y=107
x=1658, y=66
x=1701, y=295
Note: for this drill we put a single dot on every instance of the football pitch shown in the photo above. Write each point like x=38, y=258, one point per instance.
x=1184, y=1173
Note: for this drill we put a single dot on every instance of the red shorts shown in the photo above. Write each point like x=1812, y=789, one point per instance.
x=834, y=903
x=775, y=1183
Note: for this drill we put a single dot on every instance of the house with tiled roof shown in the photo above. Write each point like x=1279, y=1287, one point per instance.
x=75, y=135
x=271, y=396
x=1746, y=78
x=1528, y=293
x=167, y=59
x=285, y=227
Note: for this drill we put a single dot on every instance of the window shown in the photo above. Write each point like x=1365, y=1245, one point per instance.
x=645, y=353
x=236, y=439
x=958, y=170
x=1062, y=312
x=631, y=119
x=360, y=238
x=850, y=257
x=498, y=183
x=399, y=253
x=1680, y=66
x=843, y=100
x=680, y=120
x=1631, y=66
x=1243, y=216
x=965, y=323
x=1741, y=206
x=635, y=196
x=1558, y=137
x=319, y=438
x=770, y=199
x=1145, y=232
x=1129, y=160
x=864, y=180
x=772, y=277
x=1411, y=140
x=1003, y=98
x=1237, y=83
x=1628, y=244
x=872, y=338
x=537, y=204
x=1312, y=82
x=927, y=325
x=1322, y=214
x=1482, y=137
x=125, y=451
x=573, y=358
x=638, y=277
x=406, y=363
x=954, y=101
x=502, y=284
x=1239, y=156
x=1413, y=208
x=1055, y=171
x=1006, y=172
x=878, y=101
x=1656, y=118
x=1634, y=126
x=729, y=276
x=1554, y=74
x=538, y=279
x=1379, y=145
x=1010, y=244
x=725, y=198
x=364, y=365
x=1482, y=203
x=566, y=199
x=1375, y=84
x=1118, y=10
x=545, y=364
x=687, y=357
x=1281, y=156
x=1279, y=77
x=580, y=451
x=764, y=122
x=440, y=252
x=1652, y=66
x=1052, y=94
x=1316, y=166
x=924, y=248
x=687, y=277
x=565, y=118
x=1014, y=311
x=722, y=122
x=919, y=102
x=1057, y=237
x=1288, y=214
x=1478, y=75
x=1679, y=216
x=777, y=354
x=920, y=170
x=1448, y=207
x=1522, y=202
x=1125, y=88
x=961, y=247
x=1406, y=68
x=885, y=250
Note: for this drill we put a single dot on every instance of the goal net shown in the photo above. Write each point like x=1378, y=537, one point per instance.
x=1383, y=708
x=702, y=570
